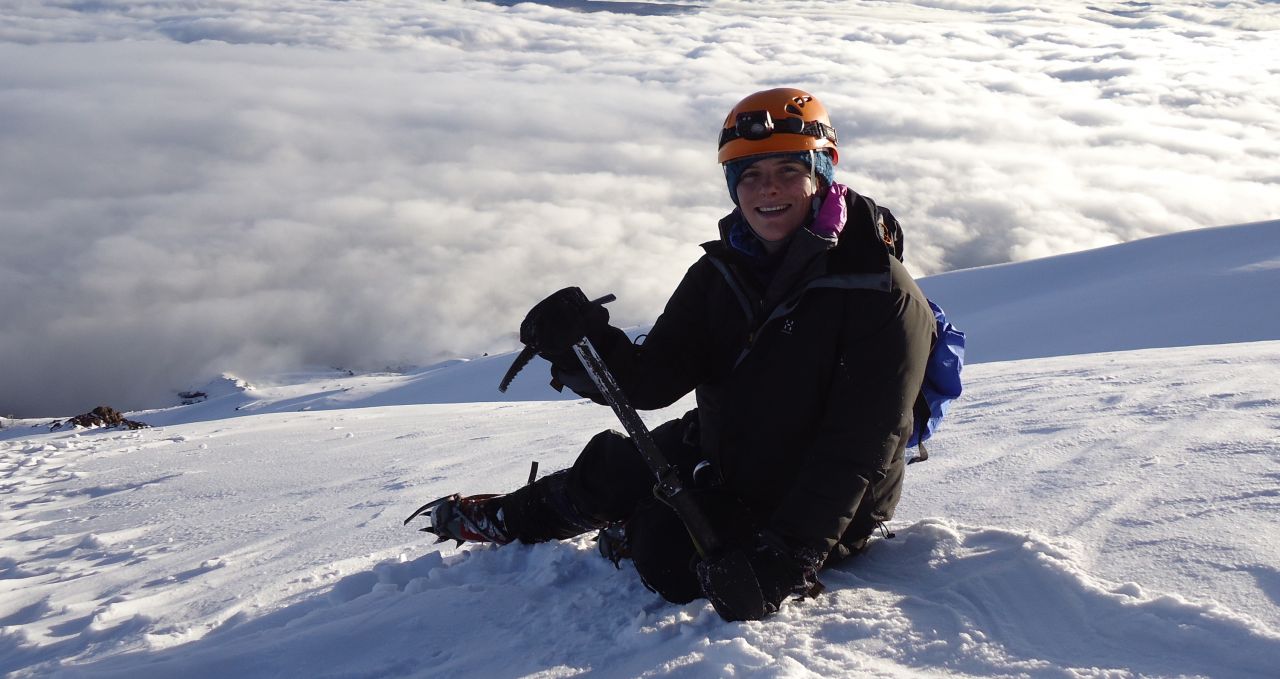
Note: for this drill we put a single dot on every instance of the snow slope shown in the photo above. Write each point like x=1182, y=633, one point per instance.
x=1208, y=286
x=1104, y=514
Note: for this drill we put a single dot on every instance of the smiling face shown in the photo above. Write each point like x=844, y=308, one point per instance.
x=775, y=195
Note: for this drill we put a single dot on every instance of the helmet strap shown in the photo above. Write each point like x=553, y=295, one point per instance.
x=816, y=202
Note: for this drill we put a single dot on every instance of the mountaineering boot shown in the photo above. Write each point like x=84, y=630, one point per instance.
x=538, y=512
x=476, y=518
x=546, y=510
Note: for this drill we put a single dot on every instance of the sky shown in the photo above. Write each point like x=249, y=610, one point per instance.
x=207, y=187
x=1081, y=515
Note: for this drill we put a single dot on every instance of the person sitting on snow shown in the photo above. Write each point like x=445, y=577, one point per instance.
x=805, y=340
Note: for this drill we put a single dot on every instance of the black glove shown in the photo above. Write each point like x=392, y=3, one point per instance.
x=750, y=583
x=557, y=322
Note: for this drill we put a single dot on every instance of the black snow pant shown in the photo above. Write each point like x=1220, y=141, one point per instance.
x=610, y=482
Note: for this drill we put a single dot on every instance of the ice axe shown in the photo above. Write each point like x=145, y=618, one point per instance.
x=669, y=487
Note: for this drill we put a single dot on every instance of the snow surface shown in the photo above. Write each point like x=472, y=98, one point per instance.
x=1105, y=514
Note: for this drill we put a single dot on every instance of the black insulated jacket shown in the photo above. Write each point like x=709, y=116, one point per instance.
x=805, y=387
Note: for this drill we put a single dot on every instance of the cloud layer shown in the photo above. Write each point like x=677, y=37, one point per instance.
x=232, y=186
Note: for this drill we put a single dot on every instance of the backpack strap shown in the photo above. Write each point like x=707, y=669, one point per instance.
x=890, y=231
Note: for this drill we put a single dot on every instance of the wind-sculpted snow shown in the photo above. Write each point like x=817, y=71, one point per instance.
x=1083, y=516
x=970, y=600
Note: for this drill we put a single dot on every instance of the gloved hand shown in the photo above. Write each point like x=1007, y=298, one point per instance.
x=560, y=320
x=751, y=583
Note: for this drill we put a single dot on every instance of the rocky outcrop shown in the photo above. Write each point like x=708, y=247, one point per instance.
x=102, y=416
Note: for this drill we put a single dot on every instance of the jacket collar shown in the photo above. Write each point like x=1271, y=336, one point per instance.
x=801, y=262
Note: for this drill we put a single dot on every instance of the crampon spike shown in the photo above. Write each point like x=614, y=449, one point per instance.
x=462, y=519
x=429, y=507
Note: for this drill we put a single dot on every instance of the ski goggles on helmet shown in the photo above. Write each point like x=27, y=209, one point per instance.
x=757, y=125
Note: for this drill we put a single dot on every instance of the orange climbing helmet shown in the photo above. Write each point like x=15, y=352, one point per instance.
x=780, y=120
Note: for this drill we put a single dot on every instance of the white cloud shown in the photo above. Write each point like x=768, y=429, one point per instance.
x=232, y=186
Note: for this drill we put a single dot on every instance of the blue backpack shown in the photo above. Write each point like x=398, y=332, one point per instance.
x=942, y=383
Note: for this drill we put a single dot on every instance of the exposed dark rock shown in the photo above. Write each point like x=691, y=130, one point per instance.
x=102, y=416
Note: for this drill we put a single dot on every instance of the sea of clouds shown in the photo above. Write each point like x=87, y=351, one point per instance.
x=190, y=188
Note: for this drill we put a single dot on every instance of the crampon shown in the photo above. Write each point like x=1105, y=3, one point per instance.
x=463, y=519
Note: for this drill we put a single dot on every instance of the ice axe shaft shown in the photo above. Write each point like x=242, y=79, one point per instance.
x=669, y=488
